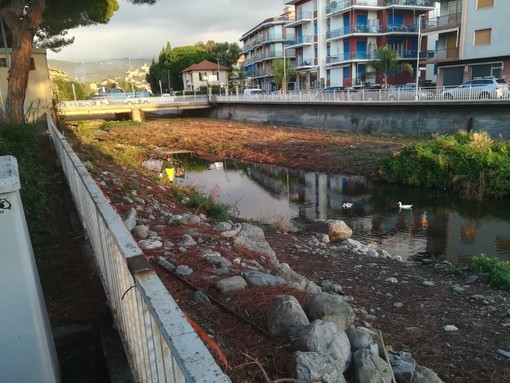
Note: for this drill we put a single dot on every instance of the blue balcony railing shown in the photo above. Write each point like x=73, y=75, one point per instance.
x=341, y=5
x=372, y=29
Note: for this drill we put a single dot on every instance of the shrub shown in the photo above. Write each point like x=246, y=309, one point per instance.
x=468, y=163
x=497, y=270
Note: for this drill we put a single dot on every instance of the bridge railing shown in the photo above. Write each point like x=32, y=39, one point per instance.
x=160, y=343
x=105, y=101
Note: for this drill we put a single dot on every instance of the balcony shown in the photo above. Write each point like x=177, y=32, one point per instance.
x=405, y=54
x=442, y=22
x=351, y=56
x=341, y=6
x=344, y=5
x=304, y=62
x=371, y=30
x=302, y=41
x=301, y=18
x=412, y=3
x=439, y=55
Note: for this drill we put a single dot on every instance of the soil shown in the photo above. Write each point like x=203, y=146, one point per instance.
x=481, y=313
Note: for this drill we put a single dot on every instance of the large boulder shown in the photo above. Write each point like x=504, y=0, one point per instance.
x=370, y=368
x=313, y=366
x=331, y=308
x=232, y=284
x=326, y=338
x=258, y=278
x=363, y=338
x=285, y=316
x=252, y=238
x=336, y=230
x=294, y=279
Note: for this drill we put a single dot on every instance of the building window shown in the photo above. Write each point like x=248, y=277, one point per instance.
x=346, y=73
x=480, y=4
x=483, y=37
x=202, y=76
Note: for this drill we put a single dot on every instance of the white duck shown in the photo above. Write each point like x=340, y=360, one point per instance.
x=347, y=205
x=400, y=206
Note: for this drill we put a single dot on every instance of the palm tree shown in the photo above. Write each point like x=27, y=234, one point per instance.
x=282, y=72
x=386, y=63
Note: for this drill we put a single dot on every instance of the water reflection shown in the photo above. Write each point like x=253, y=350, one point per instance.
x=439, y=225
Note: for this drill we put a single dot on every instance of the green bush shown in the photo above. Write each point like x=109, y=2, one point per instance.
x=215, y=210
x=498, y=271
x=468, y=163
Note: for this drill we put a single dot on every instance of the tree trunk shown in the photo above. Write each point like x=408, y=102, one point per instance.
x=18, y=77
x=23, y=23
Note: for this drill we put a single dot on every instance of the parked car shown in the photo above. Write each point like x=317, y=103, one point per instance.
x=138, y=98
x=406, y=92
x=252, y=92
x=334, y=89
x=101, y=100
x=478, y=87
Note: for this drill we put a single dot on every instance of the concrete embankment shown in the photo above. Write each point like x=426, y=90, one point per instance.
x=398, y=119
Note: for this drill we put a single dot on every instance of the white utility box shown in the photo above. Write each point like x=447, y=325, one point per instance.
x=27, y=350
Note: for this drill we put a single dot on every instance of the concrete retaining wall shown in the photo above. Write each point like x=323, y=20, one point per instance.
x=397, y=119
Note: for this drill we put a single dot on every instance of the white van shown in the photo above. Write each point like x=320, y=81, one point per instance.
x=252, y=92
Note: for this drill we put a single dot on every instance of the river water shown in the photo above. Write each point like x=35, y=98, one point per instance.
x=439, y=225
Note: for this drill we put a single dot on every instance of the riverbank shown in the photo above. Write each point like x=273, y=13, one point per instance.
x=411, y=304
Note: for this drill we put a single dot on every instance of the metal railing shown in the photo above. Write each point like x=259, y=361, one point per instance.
x=372, y=28
x=450, y=20
x=160, y=343
x=339, y=6
x=441, y=94
x=125, y=100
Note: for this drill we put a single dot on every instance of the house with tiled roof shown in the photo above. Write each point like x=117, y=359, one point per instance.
x=205, y=74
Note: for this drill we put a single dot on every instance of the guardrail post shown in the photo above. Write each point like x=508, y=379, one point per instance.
x=27, y=350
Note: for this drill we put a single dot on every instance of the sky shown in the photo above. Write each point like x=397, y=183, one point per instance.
x=141, y=31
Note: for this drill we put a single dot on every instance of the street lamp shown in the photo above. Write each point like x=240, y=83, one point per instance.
x=418, y=58
x=219, y=88
x=169, y=86
x=284, y=90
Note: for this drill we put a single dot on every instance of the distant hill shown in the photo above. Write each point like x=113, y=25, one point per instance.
x=97, y=71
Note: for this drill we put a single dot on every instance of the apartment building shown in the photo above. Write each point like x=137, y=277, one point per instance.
x=472, y=40
x=263, y=44
x=334, y=40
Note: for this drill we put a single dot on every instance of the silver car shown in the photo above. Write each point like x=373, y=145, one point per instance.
x=485, y=87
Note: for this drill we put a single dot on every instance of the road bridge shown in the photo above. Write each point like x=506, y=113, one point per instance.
x=132, y=107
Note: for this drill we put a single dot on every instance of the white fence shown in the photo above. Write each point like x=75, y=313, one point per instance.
x=159, y=342
x=438, y=95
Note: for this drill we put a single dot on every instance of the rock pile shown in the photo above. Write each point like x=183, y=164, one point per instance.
x=326, y=342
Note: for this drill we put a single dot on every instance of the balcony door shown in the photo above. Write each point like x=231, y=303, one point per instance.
x=347, y=50
x=361, y=50
x=361, y=23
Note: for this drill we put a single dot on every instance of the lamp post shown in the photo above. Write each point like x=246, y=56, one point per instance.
x=284, y=90
x=169, y=86
x=418, y=58
x=219, y=88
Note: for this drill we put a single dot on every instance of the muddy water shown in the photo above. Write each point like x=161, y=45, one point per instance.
x=438, y=225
